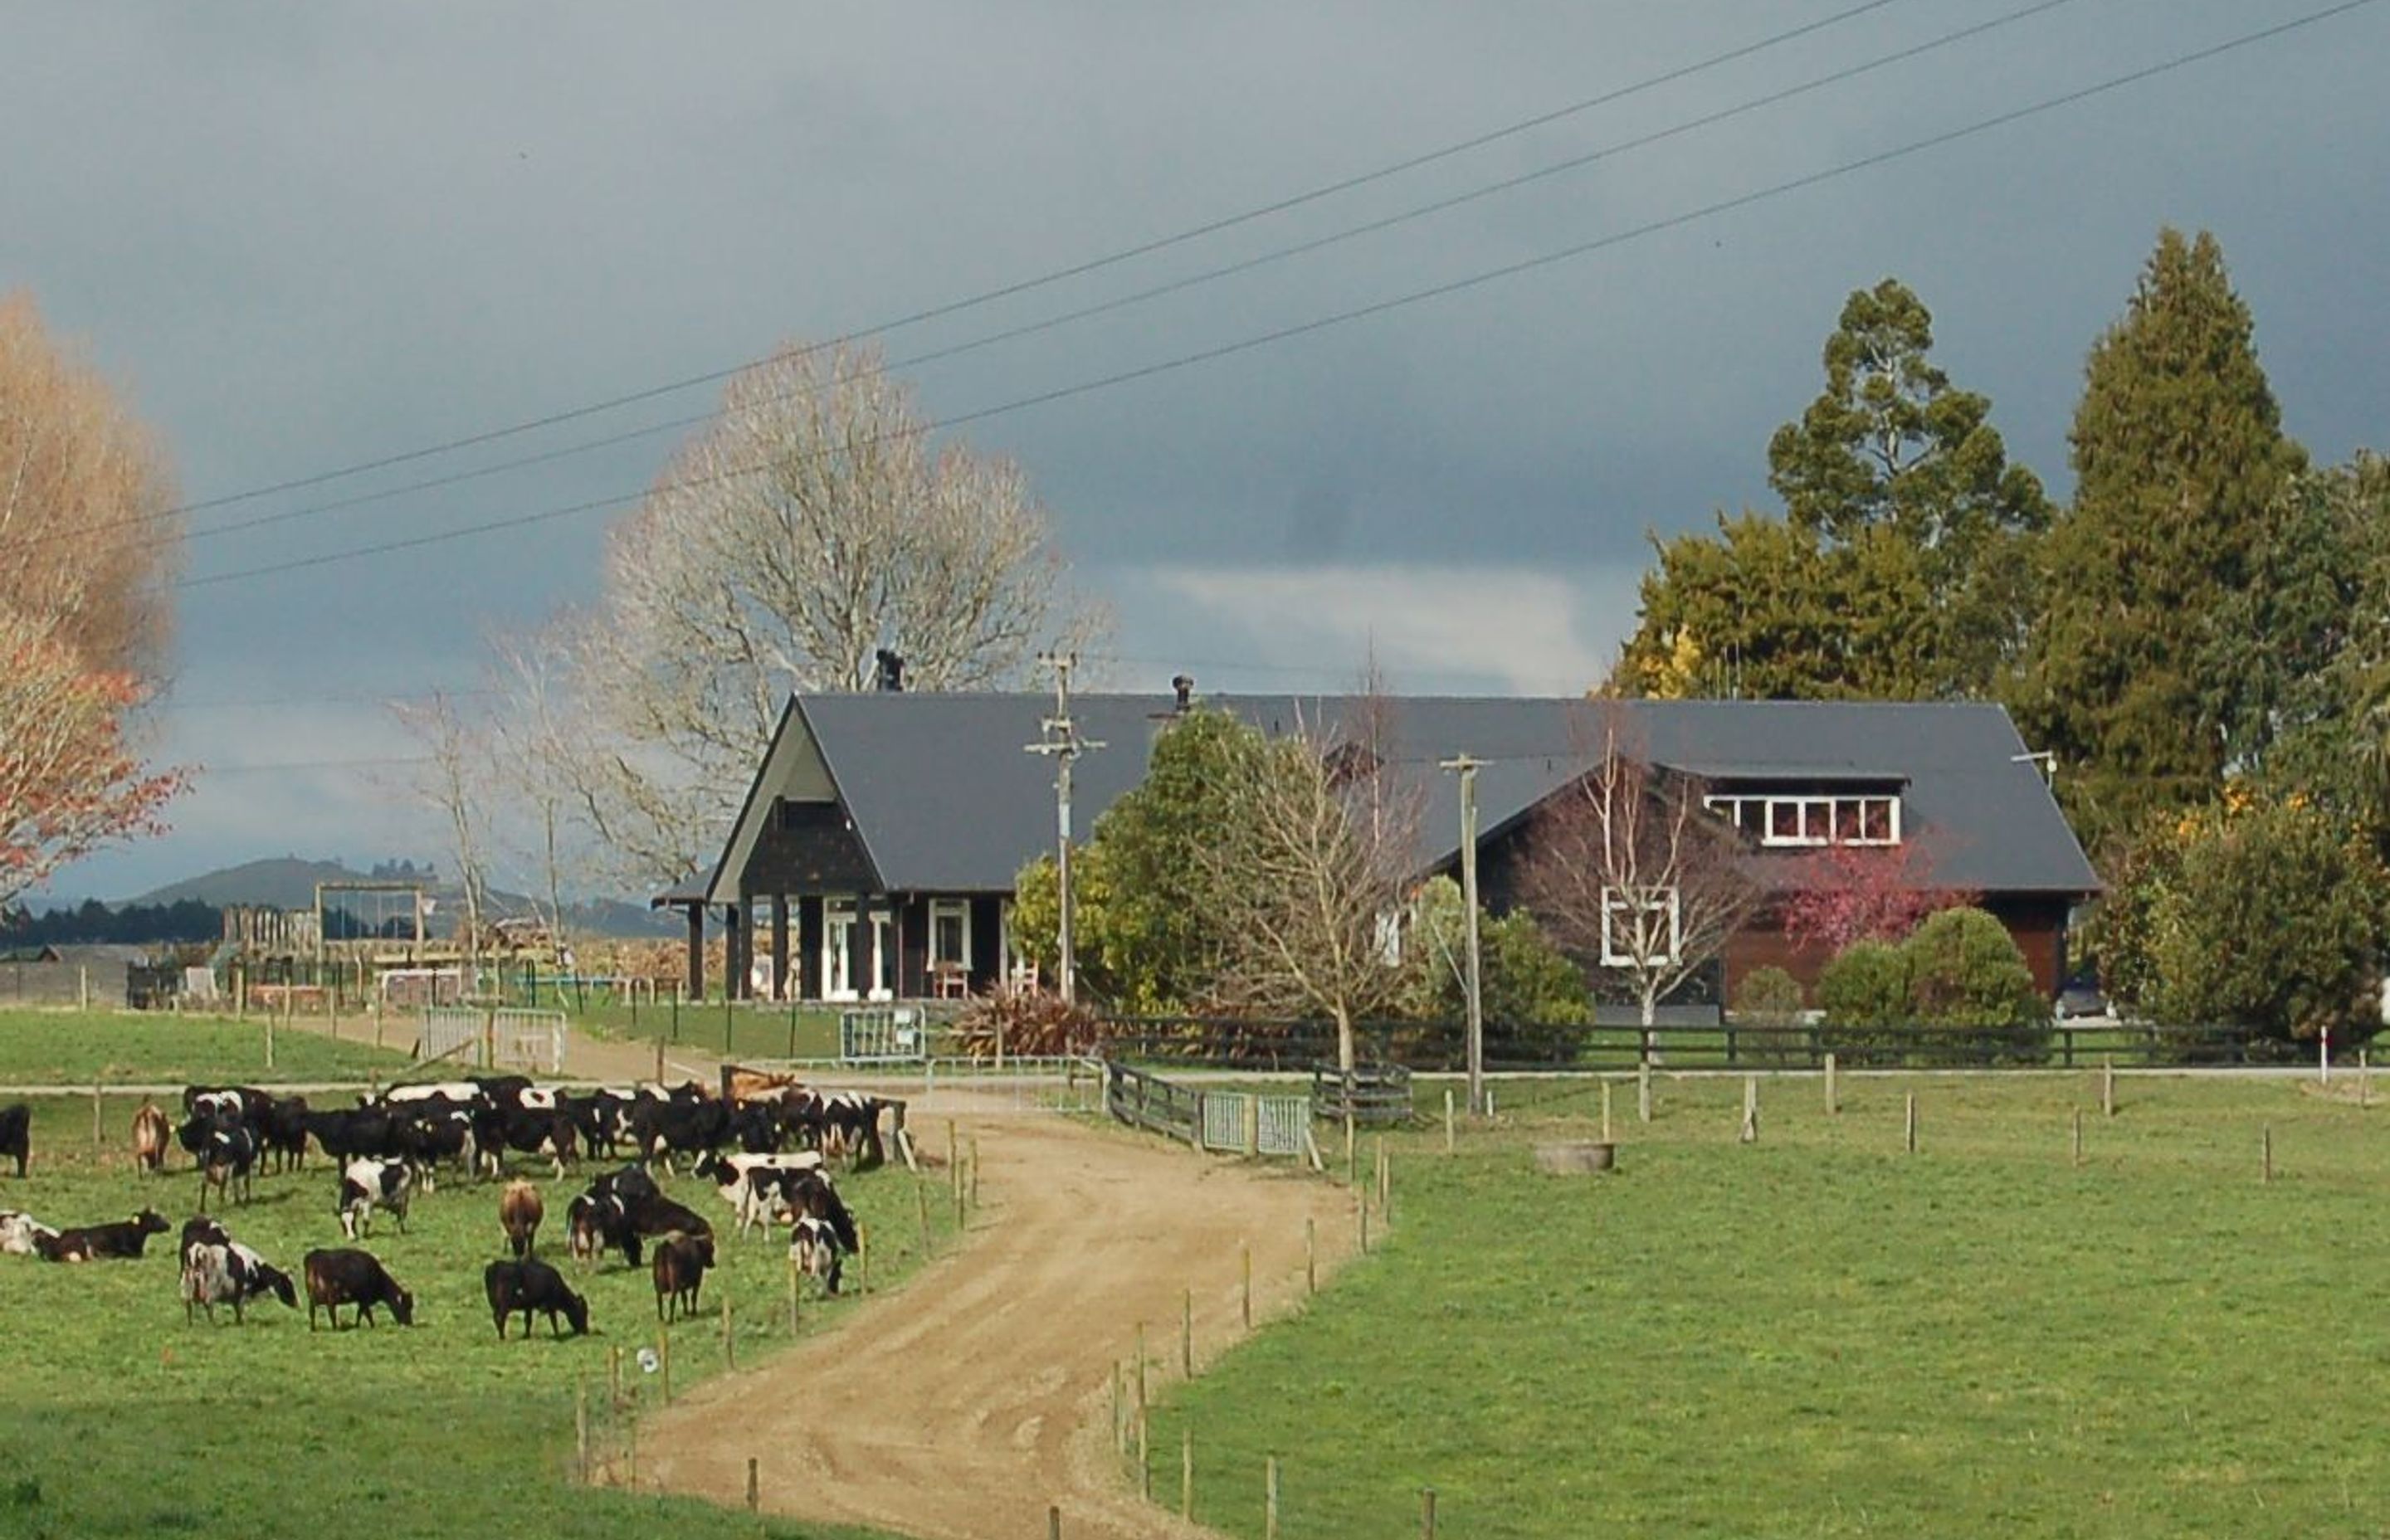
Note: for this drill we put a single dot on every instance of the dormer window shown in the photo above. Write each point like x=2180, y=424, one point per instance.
x=1811, y=819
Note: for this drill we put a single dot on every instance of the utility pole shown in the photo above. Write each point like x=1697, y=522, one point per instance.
x=1064, y=744
x=1472, y=981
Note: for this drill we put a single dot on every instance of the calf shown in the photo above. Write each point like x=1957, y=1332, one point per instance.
x=814, y=1249
x=124, y=1239
x=151, y=1134
x=338, y=1278
x=226, y=1159
x=519, y=1211
x=368, y=1184
x=530, y=1284
x=681, y=1262
x=16, y=1134
x=21, y=1233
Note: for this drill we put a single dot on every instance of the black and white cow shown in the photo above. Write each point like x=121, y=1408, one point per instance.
x=213, y=1274
x=19, y=1231
x=527, y=1130
x=528, y=1284
x=814, y=1249
x=771, y=1195
x=728, y=1172
x=228, y=1156
x=258, y=1275
x=425, y=1135
x=341, y=1276
x=370, y=1183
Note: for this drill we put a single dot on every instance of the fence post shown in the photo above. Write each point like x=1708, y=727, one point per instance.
x=754, y=1497
x=1187, y=1335
x=1361, y=1210
x=863, y=1255
x=1833, y=1099
x=2266, y=1151
x=581, y=1428
x=1310, y=1255
x=1186, y=1471
x=2076, y=1145
x=1750, y=1134
x=97, y=1136
x=974, y=1177
x=793, y=1296
x=2108, y=1086
x=2364, y=1080
x=1053, y=1510
x=1144, y=1461
x=1269, y=1498
x=729, y=1352
x=1644, y=1089
x=1246, y=1250
x=1140, y=1371
x=1195, y=1126
x=83, y=987
x=1908, y=1130
x=1605, y=1111
x=1427, y=1513
x=614, y=1381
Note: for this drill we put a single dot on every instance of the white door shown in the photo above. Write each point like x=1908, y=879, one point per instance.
x=837, y=938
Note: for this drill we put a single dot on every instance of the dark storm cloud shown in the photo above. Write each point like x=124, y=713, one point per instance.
x=307, y=235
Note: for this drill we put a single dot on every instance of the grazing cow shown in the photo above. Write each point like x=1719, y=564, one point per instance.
x=813, y=1247
x=214, y=1274
x=20, y=1232
x=530, y=1284
x=519, y=1211
x=16, y=1134
x=225, y=1161
x=771, y=1195
x=259, y=1276
x=681, y=1262
x=124, y=1239
x=426, y=1138
x=370, y=1183
x=282, y=1132
x=151, y=1134
x=528, y=1131
x=347, y=1134
x=338, y=1278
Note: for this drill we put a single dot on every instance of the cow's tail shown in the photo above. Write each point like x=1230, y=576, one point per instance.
x=841, y=1223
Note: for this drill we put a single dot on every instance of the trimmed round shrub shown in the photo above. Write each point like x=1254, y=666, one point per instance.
x=1864, y=993
x=1965, y=972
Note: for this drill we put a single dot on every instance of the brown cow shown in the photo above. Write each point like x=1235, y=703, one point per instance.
x=519, y=1211
x=151, y=1135
x=680, y=1265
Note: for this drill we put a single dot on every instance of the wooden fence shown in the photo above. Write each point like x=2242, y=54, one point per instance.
x=1235, y=1121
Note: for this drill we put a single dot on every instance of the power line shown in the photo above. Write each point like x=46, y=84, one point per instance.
x=1075, y=270
x=1125, y=301
x=1376, y=308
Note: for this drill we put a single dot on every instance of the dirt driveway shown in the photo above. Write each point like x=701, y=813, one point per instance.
x=960, y=1405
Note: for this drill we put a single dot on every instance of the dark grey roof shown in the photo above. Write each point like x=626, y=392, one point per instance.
x=947, y=800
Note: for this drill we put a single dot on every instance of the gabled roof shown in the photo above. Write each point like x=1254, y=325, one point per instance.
x=946, y=800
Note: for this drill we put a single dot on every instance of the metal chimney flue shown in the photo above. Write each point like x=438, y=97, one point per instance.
x=890, y=675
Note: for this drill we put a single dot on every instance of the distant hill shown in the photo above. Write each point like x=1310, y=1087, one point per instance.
x=288, y=882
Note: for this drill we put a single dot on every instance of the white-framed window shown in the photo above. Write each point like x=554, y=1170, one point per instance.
x=1812, y=820
x=1641, y=926
x=950, y=937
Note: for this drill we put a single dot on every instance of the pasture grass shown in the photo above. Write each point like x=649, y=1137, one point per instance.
x=122, y=1420
x=1822, y=1335
x=53, y=1048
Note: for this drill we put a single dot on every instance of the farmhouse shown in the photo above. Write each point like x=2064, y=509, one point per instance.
x=874, y=857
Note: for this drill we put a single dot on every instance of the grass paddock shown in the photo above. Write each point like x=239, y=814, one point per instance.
x=1823, y=1335
x=126, y=1421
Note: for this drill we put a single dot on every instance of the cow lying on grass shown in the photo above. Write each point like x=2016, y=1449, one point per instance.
x=20, y=1232
x=528, y=1285
x=124, y=1239
x=338, y=1278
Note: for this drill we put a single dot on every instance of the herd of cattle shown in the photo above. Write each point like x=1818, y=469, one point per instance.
x=767, y=1152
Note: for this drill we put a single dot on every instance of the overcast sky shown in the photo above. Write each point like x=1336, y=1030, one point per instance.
x=305, y=237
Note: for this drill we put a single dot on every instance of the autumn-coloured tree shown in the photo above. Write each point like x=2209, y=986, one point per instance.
x=69, y=782
x=1632, y=872
x=89, y=538
x=1847, y=894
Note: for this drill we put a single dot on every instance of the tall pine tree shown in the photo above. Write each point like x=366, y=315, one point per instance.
x=2180, y=464
x=1901, y=567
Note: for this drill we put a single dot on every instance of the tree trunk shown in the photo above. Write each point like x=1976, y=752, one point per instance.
x=1651, y=1038
x=1344, y=1056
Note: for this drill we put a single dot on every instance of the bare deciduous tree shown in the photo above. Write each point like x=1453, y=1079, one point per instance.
x=1629, y=869
x=1308, y=877
x=810, y=528
x=453, y=780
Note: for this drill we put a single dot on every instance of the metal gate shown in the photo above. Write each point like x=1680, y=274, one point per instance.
x=888, y=1035
x=495, y=1039
x=1254, y=1125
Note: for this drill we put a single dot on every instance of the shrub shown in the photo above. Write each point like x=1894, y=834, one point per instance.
x=1965, y=970
x=1864, y=993
x=1026, y=1022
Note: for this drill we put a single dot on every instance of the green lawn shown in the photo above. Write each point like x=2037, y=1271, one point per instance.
x=1824, y=1336
x=744, y=1031
x=76, y=1048
x=124, y=1421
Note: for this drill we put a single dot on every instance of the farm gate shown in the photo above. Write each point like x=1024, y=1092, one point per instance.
x=495, y=1039
x=893, y=1034
x=1234, y=1121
